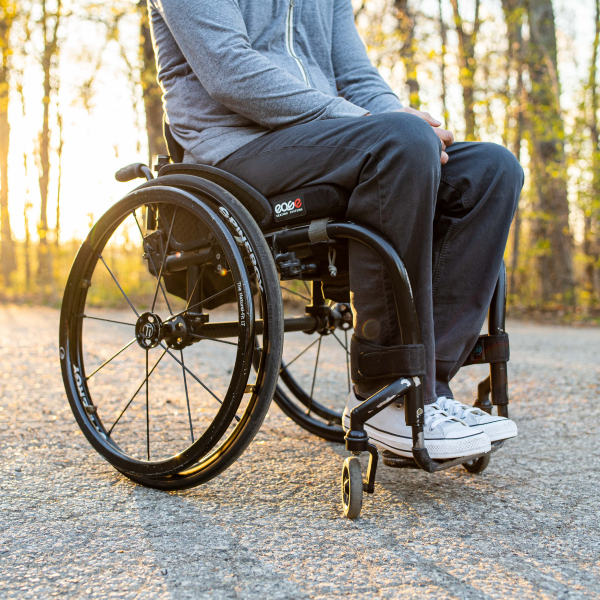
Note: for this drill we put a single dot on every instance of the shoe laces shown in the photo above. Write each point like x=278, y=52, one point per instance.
x=457, y=409
x=435, y=415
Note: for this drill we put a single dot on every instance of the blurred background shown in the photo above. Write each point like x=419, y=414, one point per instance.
x=79, y=100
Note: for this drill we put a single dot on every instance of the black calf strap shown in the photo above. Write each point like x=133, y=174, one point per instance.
x=489, y=349
x=374, y=362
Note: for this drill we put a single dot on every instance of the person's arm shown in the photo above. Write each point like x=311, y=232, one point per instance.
x=213, y=38
x=358, y=81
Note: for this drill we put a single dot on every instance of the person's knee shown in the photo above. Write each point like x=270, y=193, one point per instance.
x=504, y=162
x=505, y=172
x=409, y=138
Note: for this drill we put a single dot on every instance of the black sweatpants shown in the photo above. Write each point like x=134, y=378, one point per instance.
x=448, y=223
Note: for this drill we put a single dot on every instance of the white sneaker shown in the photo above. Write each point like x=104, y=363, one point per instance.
x=445, y=436
x=497, y=428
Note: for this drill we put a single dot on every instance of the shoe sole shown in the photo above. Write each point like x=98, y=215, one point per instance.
x=438, y=449
x=500, y=430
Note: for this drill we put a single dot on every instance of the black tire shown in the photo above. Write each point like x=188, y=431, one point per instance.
x=479, y=465
x=301, y=398
x=352, y=487
x=237, y=420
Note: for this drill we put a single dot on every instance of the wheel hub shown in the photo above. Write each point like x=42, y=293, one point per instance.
x=148, y=330
x=178, y=333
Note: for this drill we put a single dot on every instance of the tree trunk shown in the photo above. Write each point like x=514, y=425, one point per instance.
x=443, y=37
x=7, y=247
x=26, y=208
x=151, y=90
x=59, y=157
x=516, y=248
x=546, y=140
x=513, y=15
x=467, y=64
x=406, y=22
x=50, y=23
x=591, y=240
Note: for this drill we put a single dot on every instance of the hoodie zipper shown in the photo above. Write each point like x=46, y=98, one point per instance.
x=289, y=40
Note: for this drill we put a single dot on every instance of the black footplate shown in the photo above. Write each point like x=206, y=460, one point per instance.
x=401, y=462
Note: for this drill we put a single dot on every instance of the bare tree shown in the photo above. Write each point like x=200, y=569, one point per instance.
x=547, y=150
x=467, y=39
x=8, y=13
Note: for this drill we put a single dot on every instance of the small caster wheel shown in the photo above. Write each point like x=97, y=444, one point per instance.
x=479, y=465
x=352, y=487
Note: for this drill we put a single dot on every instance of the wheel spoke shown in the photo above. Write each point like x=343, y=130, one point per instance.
x=187, y=397
x=106, y=320
x=312, y=387
x=119, y=286
x=340, y=341
x=347, y=360
x=199, y=303
x=136, y=393
x=111, y=358
x=296, y=293
x=164, y=260
x=147, y=410
x=299, y=355
x=306, y=287
x=194, y=376
x=203, y=337
x=152, y=261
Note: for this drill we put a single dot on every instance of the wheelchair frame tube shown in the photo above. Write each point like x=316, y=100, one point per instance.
x=497, y=325
x=405, y=307
x=407, y=316
x=230, y=329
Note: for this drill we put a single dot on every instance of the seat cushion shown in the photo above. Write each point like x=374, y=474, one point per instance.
x=307, y=204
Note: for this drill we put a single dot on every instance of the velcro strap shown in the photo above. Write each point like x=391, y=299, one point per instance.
x=374, y=362
x=489, y=349
x=317, y=231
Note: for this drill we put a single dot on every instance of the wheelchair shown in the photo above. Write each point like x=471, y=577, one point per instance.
x=204, y=263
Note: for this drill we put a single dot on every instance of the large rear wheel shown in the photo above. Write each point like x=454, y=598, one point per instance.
x=161, y=383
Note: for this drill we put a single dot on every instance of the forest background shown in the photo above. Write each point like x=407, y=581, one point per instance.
x=79, y=99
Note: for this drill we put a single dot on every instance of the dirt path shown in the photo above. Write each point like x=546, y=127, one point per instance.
x=271, y=526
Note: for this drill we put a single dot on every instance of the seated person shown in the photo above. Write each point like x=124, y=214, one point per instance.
x=281, y=93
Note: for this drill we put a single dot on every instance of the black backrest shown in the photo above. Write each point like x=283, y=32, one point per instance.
x=176, y=151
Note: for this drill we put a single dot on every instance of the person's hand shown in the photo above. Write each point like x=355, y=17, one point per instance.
x=446, y=137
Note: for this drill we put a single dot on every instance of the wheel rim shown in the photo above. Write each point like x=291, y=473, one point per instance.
x=345, y=488
x=212, y=412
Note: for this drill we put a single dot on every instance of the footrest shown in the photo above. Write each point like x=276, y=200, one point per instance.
x=403, y=462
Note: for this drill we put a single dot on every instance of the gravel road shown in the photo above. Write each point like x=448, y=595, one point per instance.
x=271, y=526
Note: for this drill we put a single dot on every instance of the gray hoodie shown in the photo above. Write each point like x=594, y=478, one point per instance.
x=233, y=70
